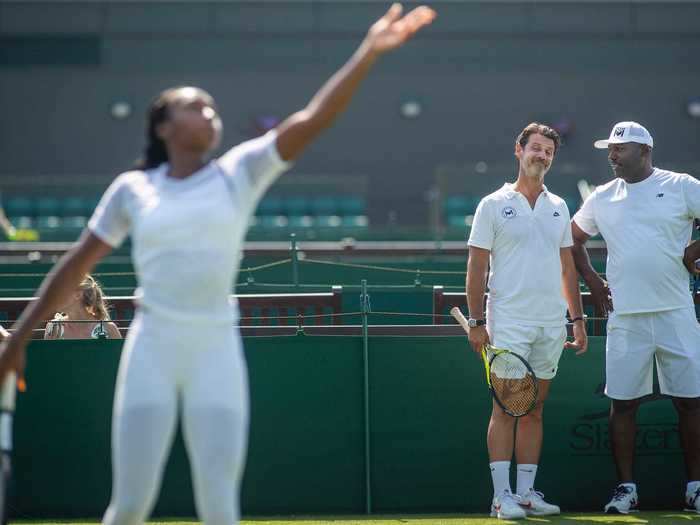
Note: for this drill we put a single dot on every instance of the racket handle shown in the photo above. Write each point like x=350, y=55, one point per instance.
x=7, y=408
x=8, y=392
x=459, y=317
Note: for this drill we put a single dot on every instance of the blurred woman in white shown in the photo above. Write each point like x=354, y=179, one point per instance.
x=187, y=217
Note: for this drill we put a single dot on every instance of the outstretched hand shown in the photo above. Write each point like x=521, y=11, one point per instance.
x=392, y=30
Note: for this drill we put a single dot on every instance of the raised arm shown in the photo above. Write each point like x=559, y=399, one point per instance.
x=386, y=34
x=598, y=287
x=54, y=291
x=572, y=294
x=477, y=268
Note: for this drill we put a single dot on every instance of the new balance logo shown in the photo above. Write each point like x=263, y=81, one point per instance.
x=659, y=195
x=619, y=132
x=556, y=214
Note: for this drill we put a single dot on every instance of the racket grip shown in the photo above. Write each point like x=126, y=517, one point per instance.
x=459, y=317
x=8, y=392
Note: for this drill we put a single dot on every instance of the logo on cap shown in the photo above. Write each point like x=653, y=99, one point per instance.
x=619, y=132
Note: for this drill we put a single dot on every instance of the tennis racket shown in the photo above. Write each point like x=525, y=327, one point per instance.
x=511, y=380
x=7, y=409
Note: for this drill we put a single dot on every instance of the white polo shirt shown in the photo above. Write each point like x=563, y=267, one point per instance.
x=525, y=277
x=646, y=226
x=187, y=234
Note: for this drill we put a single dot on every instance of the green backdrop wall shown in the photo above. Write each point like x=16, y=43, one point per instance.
x=428, y=413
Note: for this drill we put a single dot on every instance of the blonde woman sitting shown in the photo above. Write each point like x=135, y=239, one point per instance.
x=89, y=308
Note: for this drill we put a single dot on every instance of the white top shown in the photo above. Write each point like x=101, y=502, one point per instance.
x=646, y=226
x=525, y=278
x=187, y=234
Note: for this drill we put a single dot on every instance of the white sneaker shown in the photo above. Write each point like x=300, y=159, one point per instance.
x=692, y=501
x=534, y=504
x=506, y=507
x=624, y=501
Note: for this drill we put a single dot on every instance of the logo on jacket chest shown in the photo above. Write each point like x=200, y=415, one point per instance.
x=509, y=212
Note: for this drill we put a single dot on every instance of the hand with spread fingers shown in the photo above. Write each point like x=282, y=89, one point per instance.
x=392, y=30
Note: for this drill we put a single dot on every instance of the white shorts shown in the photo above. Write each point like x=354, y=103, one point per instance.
x=634, y=340
x=541, y=346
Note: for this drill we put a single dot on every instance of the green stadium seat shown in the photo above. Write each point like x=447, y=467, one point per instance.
x=460, y=209
x=19, y=207
x=461, y=204
x=272, y=221
x=48, y=207
x=75, y=207
x=300, y=221
x=457, y=221
x=328, y=221
x=351, y=206
x=297, y=206
x=47, y=222
x=90, y=205
x=324, y=206
x=270, y=206
x=456, y=205
x=355, y=221
x=75, y=222
x=22, y=222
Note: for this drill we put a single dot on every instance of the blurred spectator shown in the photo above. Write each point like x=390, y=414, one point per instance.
x=87, y=304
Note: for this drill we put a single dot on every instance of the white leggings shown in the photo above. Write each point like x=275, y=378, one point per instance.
x=198, y=372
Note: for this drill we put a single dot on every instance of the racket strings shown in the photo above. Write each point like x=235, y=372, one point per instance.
x=513, y=384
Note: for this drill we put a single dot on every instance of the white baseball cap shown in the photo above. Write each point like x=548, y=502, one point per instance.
x=626, y=132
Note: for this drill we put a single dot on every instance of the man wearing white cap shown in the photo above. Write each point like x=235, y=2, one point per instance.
x=646, y=217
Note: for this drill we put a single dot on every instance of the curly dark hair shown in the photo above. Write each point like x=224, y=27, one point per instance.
x=539, y=129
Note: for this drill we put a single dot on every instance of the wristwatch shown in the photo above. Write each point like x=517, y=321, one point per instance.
x=475, y=322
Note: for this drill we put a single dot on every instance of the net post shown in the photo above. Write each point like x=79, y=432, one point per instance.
x=300, y=324
x=295, y=259
x=364, y=305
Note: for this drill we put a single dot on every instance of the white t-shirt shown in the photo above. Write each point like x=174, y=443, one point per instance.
x=187, y=234
x=525, y=276
x=646, y=226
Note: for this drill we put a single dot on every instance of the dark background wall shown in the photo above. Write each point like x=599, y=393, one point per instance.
x=481, y=72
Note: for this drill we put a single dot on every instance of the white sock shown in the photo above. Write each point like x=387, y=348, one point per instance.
x=526, y=477
x=633, y=486
x=500, y=474
x=692, y=487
